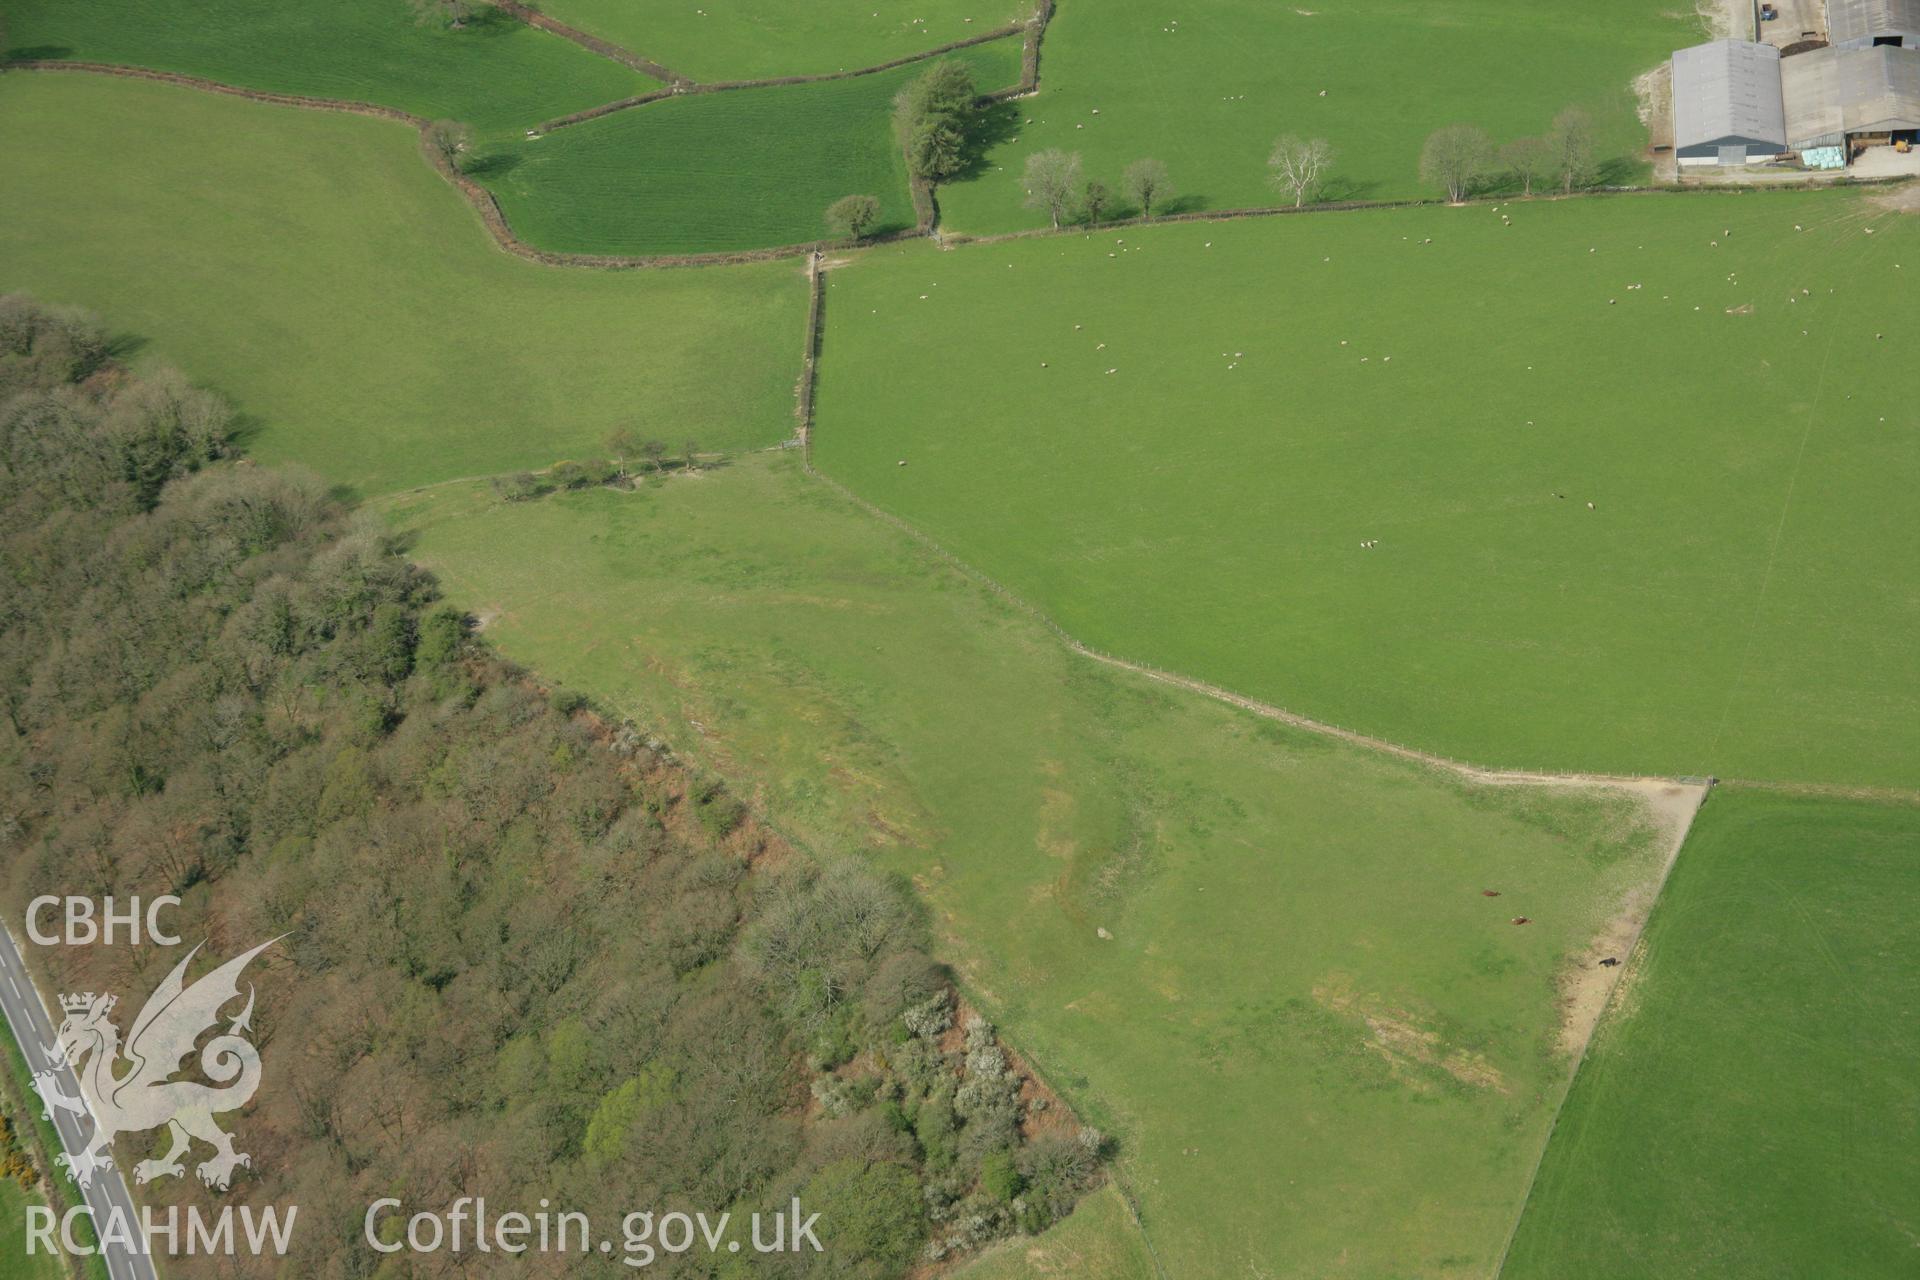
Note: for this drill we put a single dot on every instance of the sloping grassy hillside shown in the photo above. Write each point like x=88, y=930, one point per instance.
x=1730, y=394
x=1208, y=89
x=496, y=73
x=313, y=269
x=744, y=169
x=761, y=39
x=1749, y=1106
x=1263, y=959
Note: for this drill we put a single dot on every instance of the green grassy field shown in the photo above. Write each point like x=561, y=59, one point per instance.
x=1749, y=1106
x=1319, y=1044
x=1207, y=91
x=744, y=169
x=1640, y=473
x=497, y=74
x=761, y=39
x=313, y=269
x=1287, y=389
x=15, y=1262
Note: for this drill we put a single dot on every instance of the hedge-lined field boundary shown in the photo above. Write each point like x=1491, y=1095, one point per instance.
x=926, y=213
x=481, y=199
x=1032, y=28
x=921, y=192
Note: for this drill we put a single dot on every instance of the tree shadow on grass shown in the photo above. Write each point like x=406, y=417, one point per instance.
x=492, y=164
x=486, y=21
x=347, y=495
x=243, y=429
x=1343, y=190
x=37, y=53
x=1619, y=171
x=124, y=346
x=1127, y=210
x=1615, y=171
x=995, y=124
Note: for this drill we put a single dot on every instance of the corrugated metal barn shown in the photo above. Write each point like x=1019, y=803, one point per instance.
x=1727, y=106
x=1836, y=96
x=1862, y=24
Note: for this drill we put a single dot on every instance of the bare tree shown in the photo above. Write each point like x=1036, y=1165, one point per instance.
x=1299, y=167
x=449, y=140
x=1146, y=184
x=1528, y=159
x=1052, y=178
x=622, y=443
x=1095, y=200
x=1572, y=140
x=851, y=217
x=655, y=452
x=452, y=12
x=1455, y=159
x=690, y=455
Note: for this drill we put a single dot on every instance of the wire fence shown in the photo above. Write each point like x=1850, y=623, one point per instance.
x=816, y=300
x=496, y=223
x=1470, y=771
x=925, y=203
x=605, y=48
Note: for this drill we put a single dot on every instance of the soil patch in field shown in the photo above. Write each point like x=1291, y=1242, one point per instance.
x=1903, y=199
x=1586, y=983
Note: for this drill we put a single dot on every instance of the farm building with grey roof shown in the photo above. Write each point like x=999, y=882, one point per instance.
x=1833, y=95
x=1727, y=106
x=1740, y=101
x=1863, y=24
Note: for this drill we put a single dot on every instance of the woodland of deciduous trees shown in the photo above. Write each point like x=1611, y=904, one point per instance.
x=526, y=953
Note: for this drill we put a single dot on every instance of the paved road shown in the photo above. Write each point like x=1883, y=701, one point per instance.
x=27, y=1015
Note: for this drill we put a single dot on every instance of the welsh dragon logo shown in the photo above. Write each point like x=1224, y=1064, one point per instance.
x=131, y=1089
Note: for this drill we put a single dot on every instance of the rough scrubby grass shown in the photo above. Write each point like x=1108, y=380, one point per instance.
x=1749, y=1106
x=1209, y=94
x=744, y=169
x=498, y=74
x=313, y=269
x=1736, y=601
x=36, y=1133
x=1314, y=1037
x=761, y=39
x=1098, y=1242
